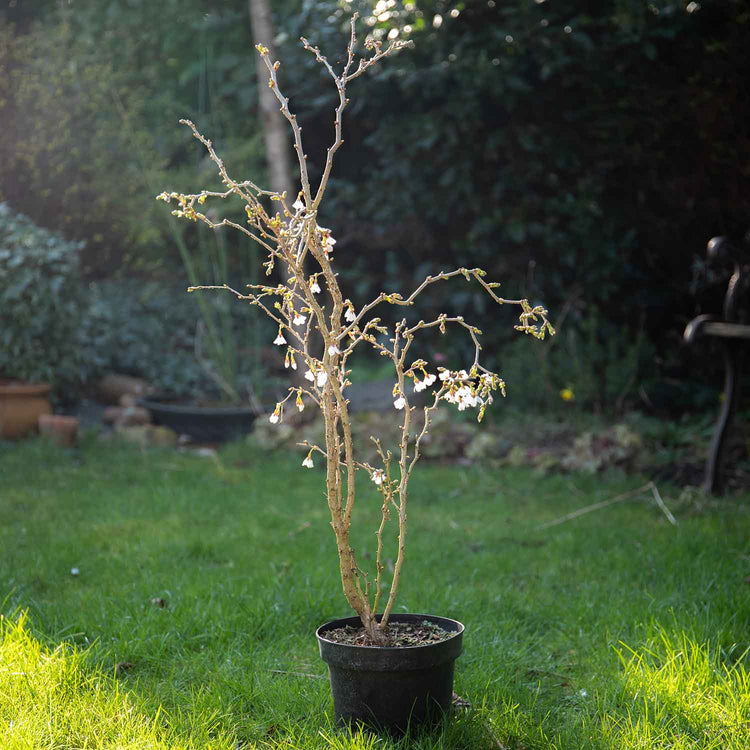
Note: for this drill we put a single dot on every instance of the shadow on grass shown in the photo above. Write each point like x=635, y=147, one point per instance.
x=210, y=577
x=673, y=693
x=54, y=696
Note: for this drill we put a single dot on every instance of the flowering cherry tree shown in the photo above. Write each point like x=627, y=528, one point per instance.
x=312, y=300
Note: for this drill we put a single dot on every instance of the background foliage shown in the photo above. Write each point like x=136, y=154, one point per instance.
x=149, y=329
x=39, y=281
x=583, y=151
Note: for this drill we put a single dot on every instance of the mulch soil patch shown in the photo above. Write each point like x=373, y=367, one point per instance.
x=398, y=635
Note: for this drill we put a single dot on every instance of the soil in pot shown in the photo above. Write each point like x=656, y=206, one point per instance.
x=392, y=687
x=399, y=635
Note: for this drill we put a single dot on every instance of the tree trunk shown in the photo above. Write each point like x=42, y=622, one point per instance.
x=275, y=127
x=278, y=149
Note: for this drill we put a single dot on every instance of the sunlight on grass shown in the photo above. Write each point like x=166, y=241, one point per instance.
x=682, y=694
x=53, y=699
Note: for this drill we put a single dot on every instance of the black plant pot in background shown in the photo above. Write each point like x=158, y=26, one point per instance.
x=202, y=424
x=391, y=688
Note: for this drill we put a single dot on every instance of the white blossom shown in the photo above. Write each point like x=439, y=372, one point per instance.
x=314, y=286
x=378, y=476
x=321, y=378
x=349, y=315
x=276, y=416
x=429, y=378
x=462, y=397
x=298, y=205
x=400, y=402
x=279, y=340
x=333, y=350
x=328, y=242
x=309, y=375
x=299, y=319
x=419, y=385
x=308, y=462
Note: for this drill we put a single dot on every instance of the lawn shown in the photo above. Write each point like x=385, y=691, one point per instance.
x=156, y=599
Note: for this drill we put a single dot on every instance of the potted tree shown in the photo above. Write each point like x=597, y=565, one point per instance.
x=387, y=669
x=42, y=308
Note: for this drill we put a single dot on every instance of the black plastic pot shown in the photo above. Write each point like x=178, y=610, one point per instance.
x=391, y=688
x=202, y=424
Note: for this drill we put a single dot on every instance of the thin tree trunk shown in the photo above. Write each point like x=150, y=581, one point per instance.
x=278, y=149
x=275, y=133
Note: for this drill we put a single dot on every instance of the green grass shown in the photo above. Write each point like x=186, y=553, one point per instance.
x=615, y=630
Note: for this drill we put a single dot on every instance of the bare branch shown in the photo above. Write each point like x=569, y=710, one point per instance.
x=292, y=119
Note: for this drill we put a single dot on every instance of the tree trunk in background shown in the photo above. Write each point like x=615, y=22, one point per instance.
x=275, y=127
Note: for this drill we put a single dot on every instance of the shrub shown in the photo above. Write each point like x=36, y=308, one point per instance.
x=42, y=305
x=70, y=128
x=109, y=74
x=149, y=329
x=590, y=365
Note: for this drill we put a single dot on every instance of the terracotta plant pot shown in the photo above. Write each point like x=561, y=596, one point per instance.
x=21, y=405
x=63, y=430
x=391, y=688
